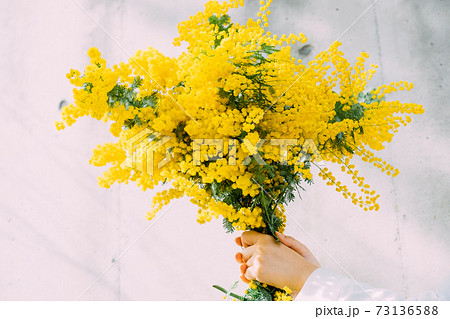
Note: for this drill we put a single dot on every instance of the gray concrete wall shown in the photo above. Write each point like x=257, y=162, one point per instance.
x=59, y=231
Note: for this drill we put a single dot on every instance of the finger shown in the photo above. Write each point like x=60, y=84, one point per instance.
x=294, y=244
x=249, y=274
x=297, y=247
x=247, y=253
x=250, y=238
x=239, y=258
x=238, y=241
x=243, y=268
x=245, y=279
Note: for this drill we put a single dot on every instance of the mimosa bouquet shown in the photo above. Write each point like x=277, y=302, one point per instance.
x=236, y=123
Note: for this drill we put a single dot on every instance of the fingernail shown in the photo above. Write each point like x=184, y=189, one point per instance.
x=279, y=235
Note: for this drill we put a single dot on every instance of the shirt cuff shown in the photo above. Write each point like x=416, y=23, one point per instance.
x=322, y=284
x=326, y=285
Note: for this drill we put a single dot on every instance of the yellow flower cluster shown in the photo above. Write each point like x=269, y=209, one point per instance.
x=252, y=285
x=283, y=296
x=279, y=295
x=240, y=85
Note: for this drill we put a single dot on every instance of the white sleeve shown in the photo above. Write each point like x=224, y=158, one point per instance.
x=326, y=285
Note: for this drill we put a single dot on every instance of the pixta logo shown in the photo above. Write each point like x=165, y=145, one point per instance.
x=308, y=150
x=141, y=150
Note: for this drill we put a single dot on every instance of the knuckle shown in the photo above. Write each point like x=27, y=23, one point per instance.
x=260, y=260
x=260, y=252
x=266, y=238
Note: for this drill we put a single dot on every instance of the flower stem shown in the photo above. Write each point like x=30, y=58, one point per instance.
x=231, y=293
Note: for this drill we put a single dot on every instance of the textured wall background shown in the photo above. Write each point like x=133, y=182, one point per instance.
x=59, y=231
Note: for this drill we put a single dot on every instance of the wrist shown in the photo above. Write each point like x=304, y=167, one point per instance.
x=304, y=274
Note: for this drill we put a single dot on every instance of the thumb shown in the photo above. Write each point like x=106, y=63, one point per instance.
x=297, y=247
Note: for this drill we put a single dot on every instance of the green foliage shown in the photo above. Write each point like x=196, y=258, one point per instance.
x=87, y=86
x=258, y=58
x=228, y=226
x=127, y=96
x=262, y=292
x=344, y=142
x=230, y=293
x=252, y=96
x=223, y=24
